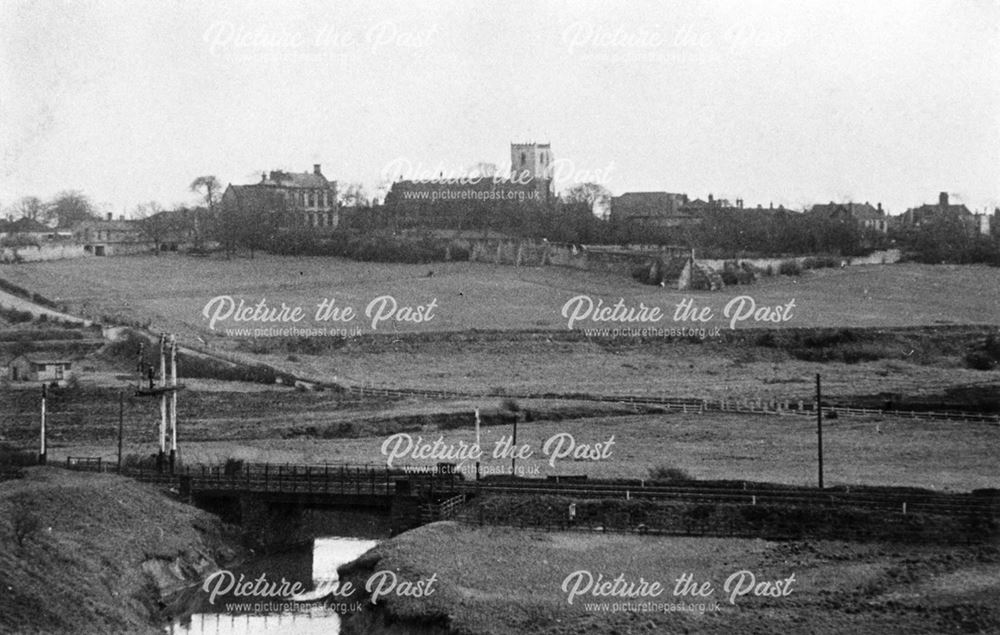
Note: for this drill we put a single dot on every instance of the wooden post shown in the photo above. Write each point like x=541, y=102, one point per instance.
x=819, y=430
x=513, y=459
x=42, y=450
x=121, y=426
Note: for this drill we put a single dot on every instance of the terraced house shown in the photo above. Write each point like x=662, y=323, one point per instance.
x=296, y=199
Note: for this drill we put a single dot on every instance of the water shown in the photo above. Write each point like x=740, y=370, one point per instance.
x=251, y=613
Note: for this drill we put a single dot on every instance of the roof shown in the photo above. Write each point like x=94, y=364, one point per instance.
x=857, y=211
x=120, y=225
x=28, y=225
x=932, y=208
x=41, y=358
x=278, y=178
x=650, y=198
x=253, y=194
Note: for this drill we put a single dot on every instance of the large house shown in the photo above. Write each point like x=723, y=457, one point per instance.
x=863, y=214
x=298, y=200
x=929, y=213
x=109, y=237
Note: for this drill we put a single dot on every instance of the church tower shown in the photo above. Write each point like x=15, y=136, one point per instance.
x=533, y=159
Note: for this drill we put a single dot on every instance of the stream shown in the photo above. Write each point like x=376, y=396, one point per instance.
x=244, y=606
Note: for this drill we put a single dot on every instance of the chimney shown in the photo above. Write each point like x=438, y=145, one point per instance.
x=109, y=216
x=880, y=207
x=710, y=199
x=943, y=200
x=263, y=176
x=316, y=169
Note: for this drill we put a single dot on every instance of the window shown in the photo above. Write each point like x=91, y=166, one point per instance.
x=524, y=159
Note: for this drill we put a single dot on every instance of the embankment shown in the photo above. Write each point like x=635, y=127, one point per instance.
x=96, y=553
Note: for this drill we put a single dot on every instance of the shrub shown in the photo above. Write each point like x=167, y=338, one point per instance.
x=143, y=462
x=790, y=268
x=14, y=457
x=979, y=360
x=668, y=473
x=509, y=404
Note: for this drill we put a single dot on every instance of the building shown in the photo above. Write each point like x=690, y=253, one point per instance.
x=929, y=213
x=109, y=237
x=27, y=229
x=873, y=218
x=636, y=212
x=453, y=202
x=39, y=367
x=297, y=200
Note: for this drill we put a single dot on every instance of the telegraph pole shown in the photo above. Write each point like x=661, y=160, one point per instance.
x=173, y=402
x=42, y=450
x=819, y=429
x=163, y=402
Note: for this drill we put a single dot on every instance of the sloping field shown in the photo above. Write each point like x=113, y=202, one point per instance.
x=172, y=292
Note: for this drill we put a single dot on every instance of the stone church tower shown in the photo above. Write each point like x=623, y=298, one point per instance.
x=535, y=159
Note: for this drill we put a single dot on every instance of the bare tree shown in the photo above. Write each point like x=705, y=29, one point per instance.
x=30, y=207
x=354, y=195
x=70, y=207
x=154, y=223
x=210, y=188
x=589, y=193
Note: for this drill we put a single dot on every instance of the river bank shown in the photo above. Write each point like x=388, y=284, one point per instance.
x=499, y=580
x=92, y=553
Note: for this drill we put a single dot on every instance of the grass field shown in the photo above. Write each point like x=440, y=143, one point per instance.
x=172, y=291
x=782, y=449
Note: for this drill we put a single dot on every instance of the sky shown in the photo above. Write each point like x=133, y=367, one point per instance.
x=783, y=103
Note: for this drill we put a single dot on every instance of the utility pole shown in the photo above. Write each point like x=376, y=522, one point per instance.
x=819, y=429
x=42, y=451
x=173, y=402
x=121, y=426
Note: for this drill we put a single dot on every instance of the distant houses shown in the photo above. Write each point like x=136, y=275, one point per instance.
x=945, y=210
x=866, y=216
x=292, y=200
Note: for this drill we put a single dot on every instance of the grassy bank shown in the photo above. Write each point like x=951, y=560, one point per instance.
x=493, y=581
x=89, y=553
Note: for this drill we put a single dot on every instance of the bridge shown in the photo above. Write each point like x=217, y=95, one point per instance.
x=414, y=495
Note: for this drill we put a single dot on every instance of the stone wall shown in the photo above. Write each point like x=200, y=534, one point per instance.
x=49, y=251
x=882, y=257
x=609, y=260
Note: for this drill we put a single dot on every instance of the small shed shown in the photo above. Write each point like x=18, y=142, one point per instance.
x=39, y=367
